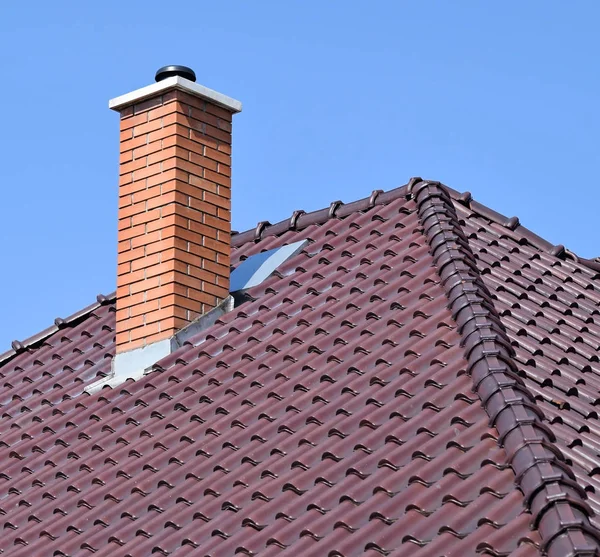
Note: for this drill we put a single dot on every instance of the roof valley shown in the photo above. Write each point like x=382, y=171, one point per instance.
x=556, y=502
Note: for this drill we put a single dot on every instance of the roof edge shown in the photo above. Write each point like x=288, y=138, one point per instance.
x=300, y=220
x=551, y=493
x=19, y=346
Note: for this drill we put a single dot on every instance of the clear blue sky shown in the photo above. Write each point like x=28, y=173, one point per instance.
x=340, y=98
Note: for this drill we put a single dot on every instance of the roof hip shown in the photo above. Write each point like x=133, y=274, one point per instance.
x=551, y=493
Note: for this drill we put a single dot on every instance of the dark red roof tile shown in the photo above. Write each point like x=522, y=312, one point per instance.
x=333, y=413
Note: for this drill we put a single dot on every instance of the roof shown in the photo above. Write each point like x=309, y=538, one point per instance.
x=422, y=378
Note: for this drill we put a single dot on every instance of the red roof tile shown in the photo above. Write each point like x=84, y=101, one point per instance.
x=337, y=412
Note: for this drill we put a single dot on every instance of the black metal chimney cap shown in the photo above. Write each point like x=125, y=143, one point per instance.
x=170, y=71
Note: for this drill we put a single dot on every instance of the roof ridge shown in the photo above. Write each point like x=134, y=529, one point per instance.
x=18, y=346
x=337, y=209
x=551, y=493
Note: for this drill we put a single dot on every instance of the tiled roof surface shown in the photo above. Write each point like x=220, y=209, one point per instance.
x=337, y=412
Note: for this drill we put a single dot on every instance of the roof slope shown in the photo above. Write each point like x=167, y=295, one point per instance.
x=334, y=412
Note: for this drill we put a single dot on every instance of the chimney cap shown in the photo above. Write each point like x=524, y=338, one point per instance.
x=170, y=71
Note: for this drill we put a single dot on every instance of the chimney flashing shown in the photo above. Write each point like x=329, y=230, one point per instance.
x=175, y=82
x=134, y=364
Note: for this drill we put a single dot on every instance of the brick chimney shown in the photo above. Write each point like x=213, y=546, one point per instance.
x=174, y=206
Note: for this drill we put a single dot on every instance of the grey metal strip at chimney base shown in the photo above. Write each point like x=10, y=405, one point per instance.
x=136, y=363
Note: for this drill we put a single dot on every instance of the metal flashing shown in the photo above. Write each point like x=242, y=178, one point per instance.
x=202, y=323
x=136, y=363
x=259, y=267
x=132, y=364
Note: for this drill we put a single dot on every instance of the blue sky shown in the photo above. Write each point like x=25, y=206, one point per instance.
x=340, y=98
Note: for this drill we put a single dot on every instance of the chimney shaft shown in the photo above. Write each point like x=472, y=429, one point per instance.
x=174, y=213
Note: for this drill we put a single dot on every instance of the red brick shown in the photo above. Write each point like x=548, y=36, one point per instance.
x=218, y=200
x=125, y=179
x=147, y=149
x=203, y=184
x=123, y=268
x=147, y=171
x=177, y=118
x=215, y=177
x=167, y=175
x=219, y=111
x=123, y=224
x=147, y=128
x=133, y=209
x=125, y=135
x=147, y=261
x=144, y=285
x=203, y=207
x=165, y=109
x=134, y=165
x=146, y=239
x=203, y=139
x=213, y=222
x=166, y=290
x=183, y=187
x=126, y=112
x=148, y=104
x=146, y=194
x=183, y=233
x=225, y=148
x=202, y=274
x=167, y=154
x=224, y=125
x=144, y=331
x=224, y=169
x=122, y=338
x=166, y=199
x=173, y=129
x=125, y=201
x=208, y=232
x=145, y=307
x=222, y=158
x=134, y=121
x=203, y=161
x=125, y=157
x=166, y=267
x=133, y=143
x=129, y=301
x=172, y=324
x=205, y=117
x=185, y=279
x=216, y=245
x=166, y=221
x=202, y=297
x=131, y=255
x=133, y=187
x=182, y=211
x=146, y=216
x=164, y=314
x=215, y=132
x=186, y=99
x=123, y=245
x=162, y=245
x=182, y=256
x=131, y=322
x=217, y=269
x=218, y=291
